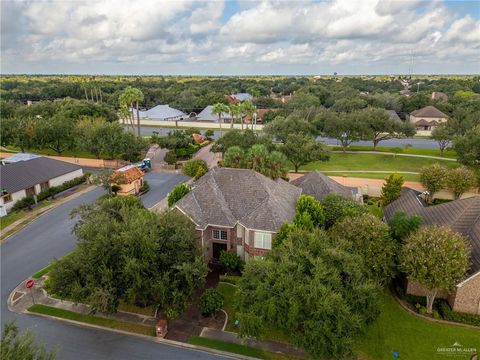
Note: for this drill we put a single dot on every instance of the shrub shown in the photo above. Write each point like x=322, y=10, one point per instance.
x=23, y=203
x=209, y=133
x=448, y=314
x=336, y=208
x=232, y=279
x=171, y=158
x=145, y=187
x=230, y=261
x=177, y=193
x=171, y=313
x=200, y=172
x=191, y=167
x=115, y=189
x=210, y=302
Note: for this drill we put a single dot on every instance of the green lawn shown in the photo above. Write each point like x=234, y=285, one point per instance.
x=413, y=151
x=90, y=319
x=373, y=162
x=49, y=152
x=413, y=337
x=236, y=348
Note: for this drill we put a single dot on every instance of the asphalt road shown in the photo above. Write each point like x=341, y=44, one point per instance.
x=415, y=142
x=50, y=237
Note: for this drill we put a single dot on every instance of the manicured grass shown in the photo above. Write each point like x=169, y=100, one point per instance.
x=374, y=162
x=148, y=311
x=375, y=207
x=413, y=151
x=236, y=348
x=414, y=338
x=49, y=267
x=11, y=218
x=90, y=319
x=49, y=152
x=366, y=175
x=228, y=292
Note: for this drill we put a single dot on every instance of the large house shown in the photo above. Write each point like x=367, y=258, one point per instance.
x=161, y=113
x=23, y=178
x=462, y=216
x=207, y=115
x=238, y=97
x=427, y=118
x=241, y=210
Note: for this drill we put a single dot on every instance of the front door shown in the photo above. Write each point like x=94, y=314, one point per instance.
x=217, y=248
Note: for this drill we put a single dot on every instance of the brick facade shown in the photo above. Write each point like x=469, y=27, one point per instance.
x=466, y=297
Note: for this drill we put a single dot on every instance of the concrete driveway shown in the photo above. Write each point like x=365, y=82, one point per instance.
x=50, y=237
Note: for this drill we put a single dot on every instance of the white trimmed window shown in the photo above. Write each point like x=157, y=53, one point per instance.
x=219, y=234
x=7, y=198
x=263, y=240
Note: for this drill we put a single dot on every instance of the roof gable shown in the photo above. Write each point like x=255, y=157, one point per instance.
x=428, y=111
x=319, y=185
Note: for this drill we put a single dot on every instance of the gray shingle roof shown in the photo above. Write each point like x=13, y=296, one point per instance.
x=207, y=115
x=242, y=96
x=161, y=112
x=428, y=111
x=393, y=115
x=318, y=185
x=462, y=216
x=226, y=196
x=25, y=174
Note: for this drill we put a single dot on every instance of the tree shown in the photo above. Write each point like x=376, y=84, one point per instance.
x=210, y=302
x=468, y=147
x=435, y=257
x=312, y=289
x=132, y=146
x=432, y=178
x=301, y=149
x=17, y=345
x=191, y=167
x=379, y=126
x=178, y=192
x=244, y=139
x=220, y=110
x=308, y=204
x=392, y=188
x=277, y=165
x=336, y=208
x=103, y=179
x=369, y=237
x=402, y=225
x=56, y=133
x=443, y=135
x=127, y=253
x=234, y=157
x=250, y=110
x=281, y=127
x=171, y=158
x=235, y=111
x=460, y=180
x=346, y=128
x=128, y=98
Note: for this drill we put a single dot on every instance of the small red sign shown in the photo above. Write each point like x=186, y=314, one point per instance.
x=29, y=283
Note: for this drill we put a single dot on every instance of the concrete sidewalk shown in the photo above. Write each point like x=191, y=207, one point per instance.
x=22, y=298
x=209, y=157
x=267, y=345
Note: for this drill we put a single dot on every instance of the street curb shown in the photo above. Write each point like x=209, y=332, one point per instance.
x=149, y=338
x=47, y=210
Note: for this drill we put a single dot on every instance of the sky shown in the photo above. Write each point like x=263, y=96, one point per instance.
x=143, y=37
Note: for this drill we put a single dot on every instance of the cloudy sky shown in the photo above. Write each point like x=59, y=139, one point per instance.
x=240, y=37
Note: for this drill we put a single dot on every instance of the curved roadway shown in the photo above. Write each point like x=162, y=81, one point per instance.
x=49, y=237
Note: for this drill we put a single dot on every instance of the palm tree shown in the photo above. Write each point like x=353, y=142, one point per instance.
x=131, y=96
x=249, y=109
x=235, y=110
x=219, y=109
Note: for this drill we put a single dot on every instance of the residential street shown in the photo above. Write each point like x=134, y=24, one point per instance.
x=50, y=236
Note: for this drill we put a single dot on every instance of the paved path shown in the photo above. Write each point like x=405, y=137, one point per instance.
x=394, y=154
x=49, y=237
x=209, y=157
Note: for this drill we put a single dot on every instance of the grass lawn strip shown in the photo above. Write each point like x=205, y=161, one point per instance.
x=94, y=320
x=414, y=338
x=237, y=349
x=413, y=151
x=374, y=162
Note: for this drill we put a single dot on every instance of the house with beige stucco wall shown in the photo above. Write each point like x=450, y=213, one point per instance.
x=463, y=217
x=129, y=180
x=427, y=118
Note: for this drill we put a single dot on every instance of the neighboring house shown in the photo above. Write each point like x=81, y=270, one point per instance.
x=239, y=97
x=439, y=96
x=161, y=113
x=260, y=114
x=241, y=210
x=207, y=115
x=129, y=179
x=393, y=115
x=20, y=179
x=319, y=185
x=405, y=92
x=427, y=118
x=463, y=217
x=19, y=157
